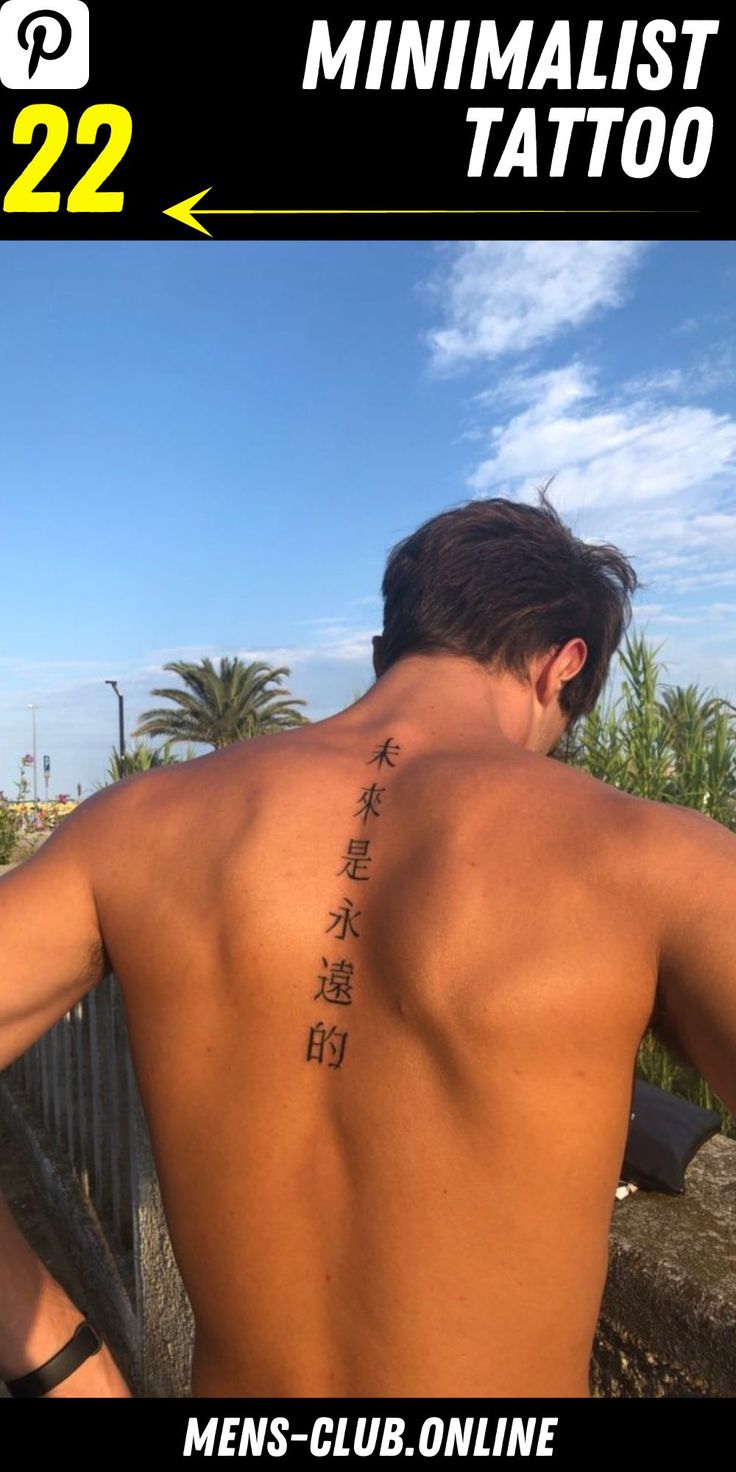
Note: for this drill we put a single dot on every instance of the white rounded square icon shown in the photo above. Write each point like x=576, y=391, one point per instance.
x=44, y=47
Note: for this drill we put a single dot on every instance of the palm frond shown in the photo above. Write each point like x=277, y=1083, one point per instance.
x=217, y=706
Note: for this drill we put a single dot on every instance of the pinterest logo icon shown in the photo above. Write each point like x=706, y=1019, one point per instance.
x=44, y=48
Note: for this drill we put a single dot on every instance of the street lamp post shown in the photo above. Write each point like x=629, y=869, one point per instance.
x=33, y=709
x=121, y=715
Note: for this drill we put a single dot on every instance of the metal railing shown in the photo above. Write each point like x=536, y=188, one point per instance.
x=78, y=1082
x=73, y=1097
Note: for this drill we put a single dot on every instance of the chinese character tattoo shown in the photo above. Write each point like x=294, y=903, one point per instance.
x=356, y=859
x=327, y=1044
x=321, y=1037
x=336, y=984
x=384, y=753
x=342, y=921
x=369, y=802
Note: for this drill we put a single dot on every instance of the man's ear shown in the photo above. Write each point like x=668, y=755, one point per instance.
x=570, y=659
x=559, y=666
x=377, y=642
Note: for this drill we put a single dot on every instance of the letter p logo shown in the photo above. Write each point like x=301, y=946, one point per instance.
x=44, y=47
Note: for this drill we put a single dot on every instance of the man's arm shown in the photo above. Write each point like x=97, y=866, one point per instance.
x=694, y=872
x=51, y=954
x=51, y=948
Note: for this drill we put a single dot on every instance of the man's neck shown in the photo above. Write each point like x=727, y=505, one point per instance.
x=447, y=698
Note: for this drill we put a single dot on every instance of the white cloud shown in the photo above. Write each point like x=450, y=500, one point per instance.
x=649, y=610
x=605, y=453
x=508, y=296
x=702, y=533
x=27, y=671
x=665, y=380
x=335, y=642
x=696, y=582
x=711, y=371
x=679, y=618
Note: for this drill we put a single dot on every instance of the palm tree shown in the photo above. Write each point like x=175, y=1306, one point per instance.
x=218, y=707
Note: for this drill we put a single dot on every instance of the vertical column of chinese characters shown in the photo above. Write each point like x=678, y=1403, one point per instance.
x=326, y=1041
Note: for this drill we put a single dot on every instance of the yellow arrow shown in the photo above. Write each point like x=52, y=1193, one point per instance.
x=185, y=212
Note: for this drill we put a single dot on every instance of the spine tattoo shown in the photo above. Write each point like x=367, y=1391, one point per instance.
x=326, y=1041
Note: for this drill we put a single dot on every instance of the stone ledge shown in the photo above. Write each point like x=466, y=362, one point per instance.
x=668, y=1318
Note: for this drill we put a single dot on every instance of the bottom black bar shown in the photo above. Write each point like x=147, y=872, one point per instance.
x=389, y=1431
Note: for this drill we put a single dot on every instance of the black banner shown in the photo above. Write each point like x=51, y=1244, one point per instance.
x=166, y=122
x=354, y=1432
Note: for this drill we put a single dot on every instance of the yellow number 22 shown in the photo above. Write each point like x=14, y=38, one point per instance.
x=24, y=198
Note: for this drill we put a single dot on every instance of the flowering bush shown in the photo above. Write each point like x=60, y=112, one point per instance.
x=9, y=832
x=41, y=814
x=22, y=820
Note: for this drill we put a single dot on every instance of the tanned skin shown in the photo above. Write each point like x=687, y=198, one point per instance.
x=388, y=1103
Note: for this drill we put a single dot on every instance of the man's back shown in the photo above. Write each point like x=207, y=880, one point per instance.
x=384, y=999
x=386, y=977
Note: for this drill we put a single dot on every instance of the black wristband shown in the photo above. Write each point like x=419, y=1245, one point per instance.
x=84, y=1342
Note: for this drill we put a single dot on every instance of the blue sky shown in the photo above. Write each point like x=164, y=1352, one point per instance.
x=209, y=448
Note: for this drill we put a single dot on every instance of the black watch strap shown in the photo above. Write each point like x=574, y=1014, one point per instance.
x=84, y=1342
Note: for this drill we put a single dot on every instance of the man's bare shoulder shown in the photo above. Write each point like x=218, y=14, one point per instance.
x=653, y=840
x=151, y=792
x=572, y=790
x=661, y=828
x=128, y=815
x=683, y=846
x=661, y=822
x=673, y=855
x=152, y=815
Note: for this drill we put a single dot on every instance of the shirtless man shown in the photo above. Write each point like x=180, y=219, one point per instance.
x=386, y=976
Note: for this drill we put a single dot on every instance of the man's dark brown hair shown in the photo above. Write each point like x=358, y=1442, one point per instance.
x=501, y=581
